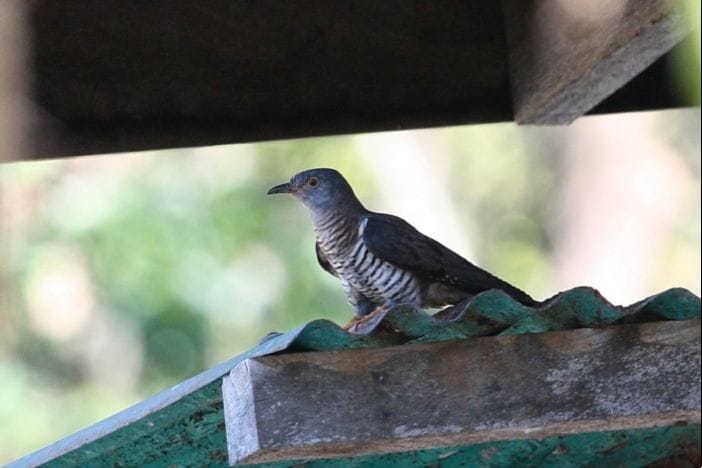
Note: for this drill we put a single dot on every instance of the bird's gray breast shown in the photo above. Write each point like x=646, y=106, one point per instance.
x=359, y=269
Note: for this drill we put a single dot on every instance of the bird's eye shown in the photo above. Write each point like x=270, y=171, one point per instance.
x=313, y=182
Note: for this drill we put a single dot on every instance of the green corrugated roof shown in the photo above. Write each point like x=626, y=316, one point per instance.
x=184, y=425
x=496, y=313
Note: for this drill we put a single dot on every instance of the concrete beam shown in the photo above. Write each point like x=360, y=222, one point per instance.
x=355, y=402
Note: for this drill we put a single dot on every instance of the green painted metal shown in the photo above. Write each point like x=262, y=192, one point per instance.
x=496, y=313
x=184, y=425
x=637, y=447
x=181, y=426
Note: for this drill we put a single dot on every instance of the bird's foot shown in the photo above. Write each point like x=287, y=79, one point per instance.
x=364, y=324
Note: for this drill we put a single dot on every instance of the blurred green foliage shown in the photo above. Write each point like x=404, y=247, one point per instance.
x=122, y=275
x=687, y=63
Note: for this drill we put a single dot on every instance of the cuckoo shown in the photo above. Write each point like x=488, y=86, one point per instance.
x=381, y=259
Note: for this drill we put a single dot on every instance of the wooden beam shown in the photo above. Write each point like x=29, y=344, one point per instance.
x=160, y=74
x=14, y=99
x=110, y=76
x=348, y=403
x=565, y=57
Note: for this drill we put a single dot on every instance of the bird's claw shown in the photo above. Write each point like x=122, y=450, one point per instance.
x=364, y=324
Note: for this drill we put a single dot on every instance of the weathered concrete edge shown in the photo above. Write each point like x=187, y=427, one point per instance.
x=339, y=450
x=656, y=332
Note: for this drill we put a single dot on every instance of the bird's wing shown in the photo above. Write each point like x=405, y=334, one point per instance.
x=324, y=261
x=397, y=242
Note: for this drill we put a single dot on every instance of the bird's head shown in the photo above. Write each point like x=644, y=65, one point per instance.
x=320, y=190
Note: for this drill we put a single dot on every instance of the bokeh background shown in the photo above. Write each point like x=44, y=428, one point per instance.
x=122, y=275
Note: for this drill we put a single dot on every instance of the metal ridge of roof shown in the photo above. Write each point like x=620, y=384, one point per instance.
x=492, y=313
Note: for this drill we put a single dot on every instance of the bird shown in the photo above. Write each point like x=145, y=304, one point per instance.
x=382, y=260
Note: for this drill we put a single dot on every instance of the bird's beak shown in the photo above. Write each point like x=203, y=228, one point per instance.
x=283, y=188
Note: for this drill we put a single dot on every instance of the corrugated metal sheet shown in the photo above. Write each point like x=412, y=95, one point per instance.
x=184, y=425
x=494, y=313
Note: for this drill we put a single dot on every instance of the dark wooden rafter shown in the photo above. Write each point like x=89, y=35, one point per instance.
x=161, y=74
x=111, y=76
x=567, y=57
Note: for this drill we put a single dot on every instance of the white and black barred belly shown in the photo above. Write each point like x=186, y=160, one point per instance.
x=360, y=270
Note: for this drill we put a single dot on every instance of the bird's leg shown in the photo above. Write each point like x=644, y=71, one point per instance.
x=352, y=323
x=360, y=320
x=361, y=304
